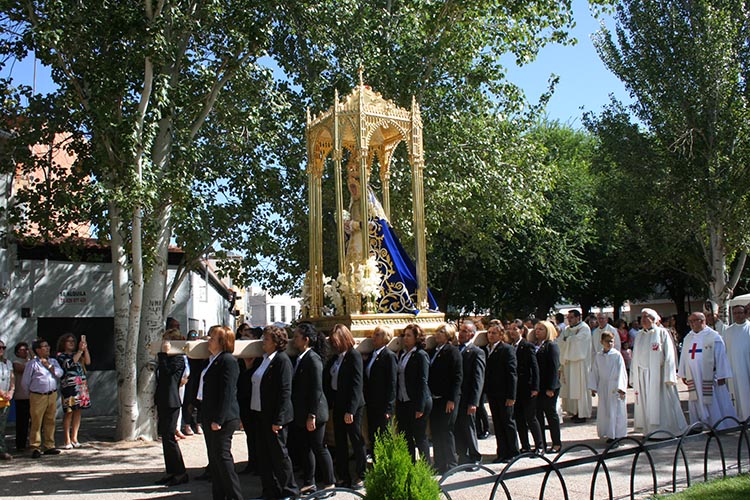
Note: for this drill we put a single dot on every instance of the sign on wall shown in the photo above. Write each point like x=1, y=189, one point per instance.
x=73, y=296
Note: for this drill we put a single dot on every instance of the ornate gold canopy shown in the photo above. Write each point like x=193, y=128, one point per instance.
x=368, y=126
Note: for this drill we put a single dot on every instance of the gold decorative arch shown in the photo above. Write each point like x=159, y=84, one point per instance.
x=368, y=126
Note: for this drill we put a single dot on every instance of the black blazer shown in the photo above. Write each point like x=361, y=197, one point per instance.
x=220, y=391
x=416, y=374
x=548, y=358
x=446, y=374
x=528, y=370
x=473, y=365
x=502, y=375
x=350, y=394
x=191, y=388
x=276, y=391
x=168, y=377
x=380, y=385
x=307, y=390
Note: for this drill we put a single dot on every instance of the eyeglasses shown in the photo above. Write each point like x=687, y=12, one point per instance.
x=2, y=347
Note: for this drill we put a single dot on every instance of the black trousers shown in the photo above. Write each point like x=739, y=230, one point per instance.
x=465, y=431
x=483, y=420
x=344, y=434
x=443, y=442
x=547, y=407
x=315, y=455
x=414, y=429
x=376, y=422
x=23, y=419
x=505, y=428
x=167, y=423
x=248, y=424
x=276, y=472
x=526, y=420
x=224, y=480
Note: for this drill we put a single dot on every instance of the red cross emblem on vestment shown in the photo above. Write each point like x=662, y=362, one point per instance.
x=694, y=349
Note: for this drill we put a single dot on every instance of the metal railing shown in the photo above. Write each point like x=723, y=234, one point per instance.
x=614, y=450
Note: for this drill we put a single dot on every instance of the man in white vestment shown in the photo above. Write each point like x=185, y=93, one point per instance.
x=602, y=322
x=737, y=340
x=654, y=378
x=704, y=367
x=576, y=355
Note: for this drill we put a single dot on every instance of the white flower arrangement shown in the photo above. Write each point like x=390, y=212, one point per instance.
x=367, y=279
x=336, y=290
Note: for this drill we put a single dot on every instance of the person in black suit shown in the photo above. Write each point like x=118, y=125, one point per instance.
x=446, y=375
x=344, y=389
x=527, y=389
x=247, y=367
x=311, y=408
x=500, y=386
x=414, y=401
x=381, y=372
x=271, y=404
x=220, y=412
x=168, y=376
x=473, y=369
x=548, y=358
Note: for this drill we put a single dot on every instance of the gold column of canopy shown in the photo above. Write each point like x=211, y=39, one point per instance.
x=366, y=125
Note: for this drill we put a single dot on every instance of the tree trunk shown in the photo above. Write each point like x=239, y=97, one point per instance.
x=125, y=343
x=152, y=328
x=718, y=290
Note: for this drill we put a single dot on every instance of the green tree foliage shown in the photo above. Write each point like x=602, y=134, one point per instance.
x=686, y=64
x=393, y=474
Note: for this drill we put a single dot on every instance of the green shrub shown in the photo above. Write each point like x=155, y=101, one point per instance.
x=394, y=476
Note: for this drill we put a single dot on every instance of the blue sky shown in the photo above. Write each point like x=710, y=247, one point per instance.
x=585, y=84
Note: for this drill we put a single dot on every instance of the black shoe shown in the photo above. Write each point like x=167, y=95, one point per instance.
x=539, y=452
x=484, y=435
x=52, y=451
x=6, y=456
x=164, y=480
x=177, y=480
x=579, y=420
x=308, y=490
x=36, y=454
x=357, y=485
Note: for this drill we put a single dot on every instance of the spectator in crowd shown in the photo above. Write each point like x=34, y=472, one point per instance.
x=414, y=401
x=527, y=390
x=473, y=367
x=381, y=373
x=7, y=388
x=500, y=386
x=311, y=408
x=73, y=357
x=608, y=381
x=247, y=367
x=626, y=351
x=344, y=386
x=21, y=395
x=41, y=376
x=548, y=358
x=560, y=321
x=190, y=406
x=602, y=325
x=217, y=391
x=446, y=374
x=167, y=398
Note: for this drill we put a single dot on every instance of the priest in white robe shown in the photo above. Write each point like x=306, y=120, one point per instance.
x=704, y=367
x=653, y=373
x=575, y=363
x=608, y=380
x=737, y=340
x=602, y=322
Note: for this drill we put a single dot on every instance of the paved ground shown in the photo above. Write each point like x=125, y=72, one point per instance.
x=106, y=470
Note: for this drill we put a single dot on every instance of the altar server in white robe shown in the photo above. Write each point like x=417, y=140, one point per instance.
x=704, y=367
x=608, y=380
x=576, y=353
x=737, y=339
x=603, y=325
x=653, y=373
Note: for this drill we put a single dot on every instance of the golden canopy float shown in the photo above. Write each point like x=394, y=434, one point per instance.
x=381, y=285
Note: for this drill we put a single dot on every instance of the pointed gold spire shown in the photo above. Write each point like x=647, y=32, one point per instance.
x=361, y=70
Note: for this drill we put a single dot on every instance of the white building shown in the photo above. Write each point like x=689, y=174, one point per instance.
x=266, y=309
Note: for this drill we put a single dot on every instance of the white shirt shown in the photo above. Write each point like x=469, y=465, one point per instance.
x=374, y=356
x=402, y=394
x=257, y=378
x=211, y=359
